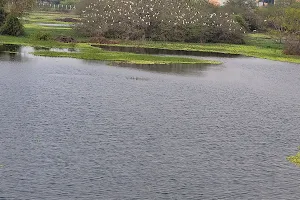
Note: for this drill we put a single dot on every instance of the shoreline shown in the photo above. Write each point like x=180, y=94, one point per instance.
x=229, y=49
x=87, y=52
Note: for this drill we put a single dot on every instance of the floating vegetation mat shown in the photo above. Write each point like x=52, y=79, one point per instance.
x=295, y=159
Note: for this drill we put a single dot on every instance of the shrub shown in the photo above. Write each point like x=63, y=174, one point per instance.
x=292, y=26
x=2, y=16
x=254, y=21
x=65, y=39
x=292, y=46
x=42, y=36
x=12, y=26
x=248, y=12
x=242, y=22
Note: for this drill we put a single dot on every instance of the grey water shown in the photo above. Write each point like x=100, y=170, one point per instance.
x=73, y=129
x=55, y=25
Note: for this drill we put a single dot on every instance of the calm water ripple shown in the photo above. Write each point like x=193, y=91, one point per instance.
x=71, y=129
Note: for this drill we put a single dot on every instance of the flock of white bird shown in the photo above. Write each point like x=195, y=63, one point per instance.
x=105, y=14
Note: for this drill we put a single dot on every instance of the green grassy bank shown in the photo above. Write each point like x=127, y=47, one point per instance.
x=255, y=46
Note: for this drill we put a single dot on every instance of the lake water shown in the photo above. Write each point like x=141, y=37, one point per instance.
x=73, y=129
x=55, y=25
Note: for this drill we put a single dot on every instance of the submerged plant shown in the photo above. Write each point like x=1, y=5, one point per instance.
x=295, y=159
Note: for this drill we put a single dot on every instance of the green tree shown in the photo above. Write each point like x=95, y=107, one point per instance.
x=247, y=9
x=284, y=22
x=2, y=16
x=275, y=16
x=292, y=26
x=12, y=26
x=292, y=20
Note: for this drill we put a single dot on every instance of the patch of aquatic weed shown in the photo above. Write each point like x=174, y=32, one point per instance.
x=91, y=53
x=295, y=159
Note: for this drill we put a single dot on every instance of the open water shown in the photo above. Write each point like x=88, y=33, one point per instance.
x=73, y=129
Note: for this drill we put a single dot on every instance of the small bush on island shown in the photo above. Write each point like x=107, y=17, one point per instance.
x=12, y=26
x=42, y=36
x=168, y=20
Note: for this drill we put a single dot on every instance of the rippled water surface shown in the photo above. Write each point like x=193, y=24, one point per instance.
x=71, y=129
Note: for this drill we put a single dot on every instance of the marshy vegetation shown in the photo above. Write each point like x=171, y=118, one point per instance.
x=295, y=159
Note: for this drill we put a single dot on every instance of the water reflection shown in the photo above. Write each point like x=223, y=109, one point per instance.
x=168, y=68
x=143, y=50
x=6, y=56
x=68, y=50
x=12, y=52
x=55, y=25
x=9, y=52
x=9, y=48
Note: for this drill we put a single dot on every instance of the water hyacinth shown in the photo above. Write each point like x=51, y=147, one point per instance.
x=153, y=19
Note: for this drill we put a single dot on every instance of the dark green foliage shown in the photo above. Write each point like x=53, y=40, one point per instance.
x=292, y=27
x=254, y=21
x=195, y=34
x=12, y=26
x=2, y=16
x=42, y=36
x=282, y=21
x=247, y=11
x=292, y=46
x=218, y=35
x=242, y=22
